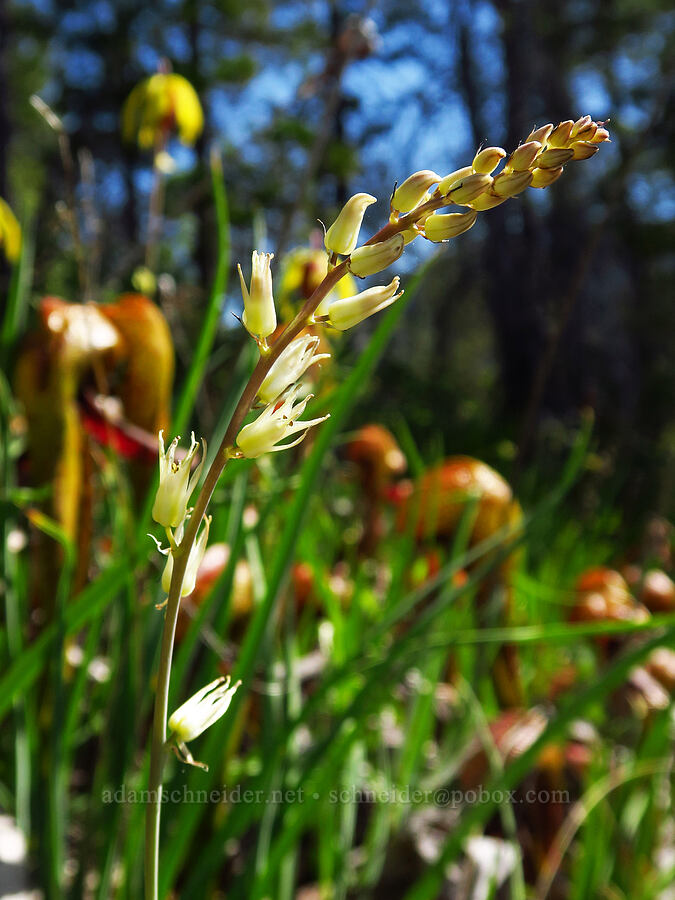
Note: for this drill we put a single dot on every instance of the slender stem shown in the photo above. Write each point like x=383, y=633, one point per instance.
x=157, y=749
x=181, y=555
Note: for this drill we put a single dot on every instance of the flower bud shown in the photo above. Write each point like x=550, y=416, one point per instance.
x=487, y=160
x=372, y=258
x=508, y=184
x=580, y=125
x=442, y=228
x=343, y=234
x=600, y=135
x=260, y=318
x=468, y=189
x=588, y=133
x=551, y=159
x=202, y=709
x=454, y=178
x=540, y=134
x=279, y=420
x=486, y=201
x=194, y=560
x=344, y=314
x=522, y=158
x=542, y=178
x=560, y=134
x=413, y=189
x=175, y=484
x=290, y=366
x=584, y=149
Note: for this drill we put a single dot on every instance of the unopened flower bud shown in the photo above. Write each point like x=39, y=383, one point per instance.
x=468, y=189
x=279, y=420
x=551, y=159
x=580, y=125
x=260, y=318
x=202, y=709
x=413, y=189
x=560, y=135
x=194, y=560
x=542, y=178
x=487, y=160
x=442, y=228
x=540, y=134
x=584, y=149
x=454, y=179
x=487, y=201
x=175, y=484
x=343, y=234
x=508, y=184
x=522, y=158
x=600, y=135
x=372, y=258
x=344, y=314
x=290, y=366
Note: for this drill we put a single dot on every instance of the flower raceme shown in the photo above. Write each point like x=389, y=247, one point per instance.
x=290, y=366
x=279, y=420
x=202, y=709
x=175, y=484
x=344, y=314
x=260, y=318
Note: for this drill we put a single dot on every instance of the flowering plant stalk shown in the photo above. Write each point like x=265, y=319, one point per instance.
x=538, y=162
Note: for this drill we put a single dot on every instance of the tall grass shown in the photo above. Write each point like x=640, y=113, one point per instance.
x=294, y=751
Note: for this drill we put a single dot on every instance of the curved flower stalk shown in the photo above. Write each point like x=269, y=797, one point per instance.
x=291, y=365
x=537, y=163
x=175, y=484
x=278, y=421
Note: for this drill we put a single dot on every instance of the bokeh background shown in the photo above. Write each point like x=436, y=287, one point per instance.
x=555, y=303
x=374, y=654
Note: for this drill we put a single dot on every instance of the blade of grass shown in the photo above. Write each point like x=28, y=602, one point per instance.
x=211, y=320
x=177, y=847
x=429, y=885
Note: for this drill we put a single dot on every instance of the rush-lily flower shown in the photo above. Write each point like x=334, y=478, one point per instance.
x=279, y=420
x=175, y=483
x=260, y=317
x=200, y=712
x=194, y=559
x=290, y=366
x=344, y=314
